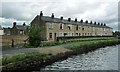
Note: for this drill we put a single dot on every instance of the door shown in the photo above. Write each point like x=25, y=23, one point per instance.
x=55, y=37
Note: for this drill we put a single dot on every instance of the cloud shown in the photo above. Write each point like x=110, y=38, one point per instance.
x=26, y=10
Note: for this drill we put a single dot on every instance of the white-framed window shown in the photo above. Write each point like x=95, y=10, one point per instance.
x=60, y=33
x=61, y=26
x=69, y=27
x=69, y=34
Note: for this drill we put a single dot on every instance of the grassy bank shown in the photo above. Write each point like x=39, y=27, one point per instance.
x=34, y=61
x=76, y=40
x=82, y=48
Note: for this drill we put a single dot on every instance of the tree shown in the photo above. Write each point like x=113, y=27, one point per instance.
x=34, y=36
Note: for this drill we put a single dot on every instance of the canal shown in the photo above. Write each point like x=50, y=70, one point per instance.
x=100, y=59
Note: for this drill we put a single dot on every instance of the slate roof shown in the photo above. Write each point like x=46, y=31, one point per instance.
x=21, y=27
x=65, y=21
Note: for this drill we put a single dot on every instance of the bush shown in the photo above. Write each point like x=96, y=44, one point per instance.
x=34, y=37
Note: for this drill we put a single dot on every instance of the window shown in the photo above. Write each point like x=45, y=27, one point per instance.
x=76, y=34
x=83, y=29
x=77, y=27
x=82, y=34
x=65, y=34
x=60, y=34
x=50, y=35
x=72, y=34
x=61, y=26
x=68, y=27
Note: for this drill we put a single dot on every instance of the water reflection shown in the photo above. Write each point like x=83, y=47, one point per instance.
x=101, y=59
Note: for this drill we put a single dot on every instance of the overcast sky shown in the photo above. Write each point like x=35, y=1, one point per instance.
x=92, y=10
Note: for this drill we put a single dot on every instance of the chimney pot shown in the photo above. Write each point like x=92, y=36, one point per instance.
x=75, y=19
x=52, y=15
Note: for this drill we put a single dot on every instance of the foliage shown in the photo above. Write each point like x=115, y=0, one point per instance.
x=116, y=33
x=34, y=36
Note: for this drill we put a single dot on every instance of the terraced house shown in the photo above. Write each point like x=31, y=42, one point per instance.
x=58, y=27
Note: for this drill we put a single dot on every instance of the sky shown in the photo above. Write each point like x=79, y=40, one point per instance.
x=103, y=11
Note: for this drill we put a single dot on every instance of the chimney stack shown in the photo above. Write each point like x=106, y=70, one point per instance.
x=81, y=21
x=41, y=14
x=94, y=23
x=24, y=24
x=75, y=19
x=52, y=16
x=104, y=24
x=69, y=19
x=90, y=22
x=86, y=21
x=101, y=24
x=98, y=23
x=14, y=24
x=61, y=18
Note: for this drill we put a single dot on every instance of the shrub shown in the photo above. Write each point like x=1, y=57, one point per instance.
x=34, y=36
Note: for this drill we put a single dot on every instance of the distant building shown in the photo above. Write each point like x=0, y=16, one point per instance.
x=7, y=31
x=1, y=30
x=19, y=29
x=56, y=27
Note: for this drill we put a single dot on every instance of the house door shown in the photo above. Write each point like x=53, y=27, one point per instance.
x=54, y=36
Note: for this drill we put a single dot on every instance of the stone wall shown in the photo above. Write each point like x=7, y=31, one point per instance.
x=18, y=39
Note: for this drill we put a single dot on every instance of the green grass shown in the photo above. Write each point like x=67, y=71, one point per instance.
x=23, y=57
x=76, y=40
x=36, y=55
x=93, y=45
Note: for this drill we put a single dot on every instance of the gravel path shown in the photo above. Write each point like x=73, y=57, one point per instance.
x=51, y=49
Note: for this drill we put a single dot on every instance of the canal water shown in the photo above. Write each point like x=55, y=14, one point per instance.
x=100, y=59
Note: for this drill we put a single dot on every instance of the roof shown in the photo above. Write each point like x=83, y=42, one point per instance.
x=65, y=21
x=21, y=27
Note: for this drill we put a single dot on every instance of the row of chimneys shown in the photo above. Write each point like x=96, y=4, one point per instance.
x=69, y=19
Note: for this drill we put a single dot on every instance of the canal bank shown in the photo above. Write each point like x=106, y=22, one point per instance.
x=100, y=59
x=37, y=63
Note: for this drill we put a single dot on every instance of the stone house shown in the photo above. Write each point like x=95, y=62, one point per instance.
x=57, y=27
x=7, y=31
x=19, y=29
